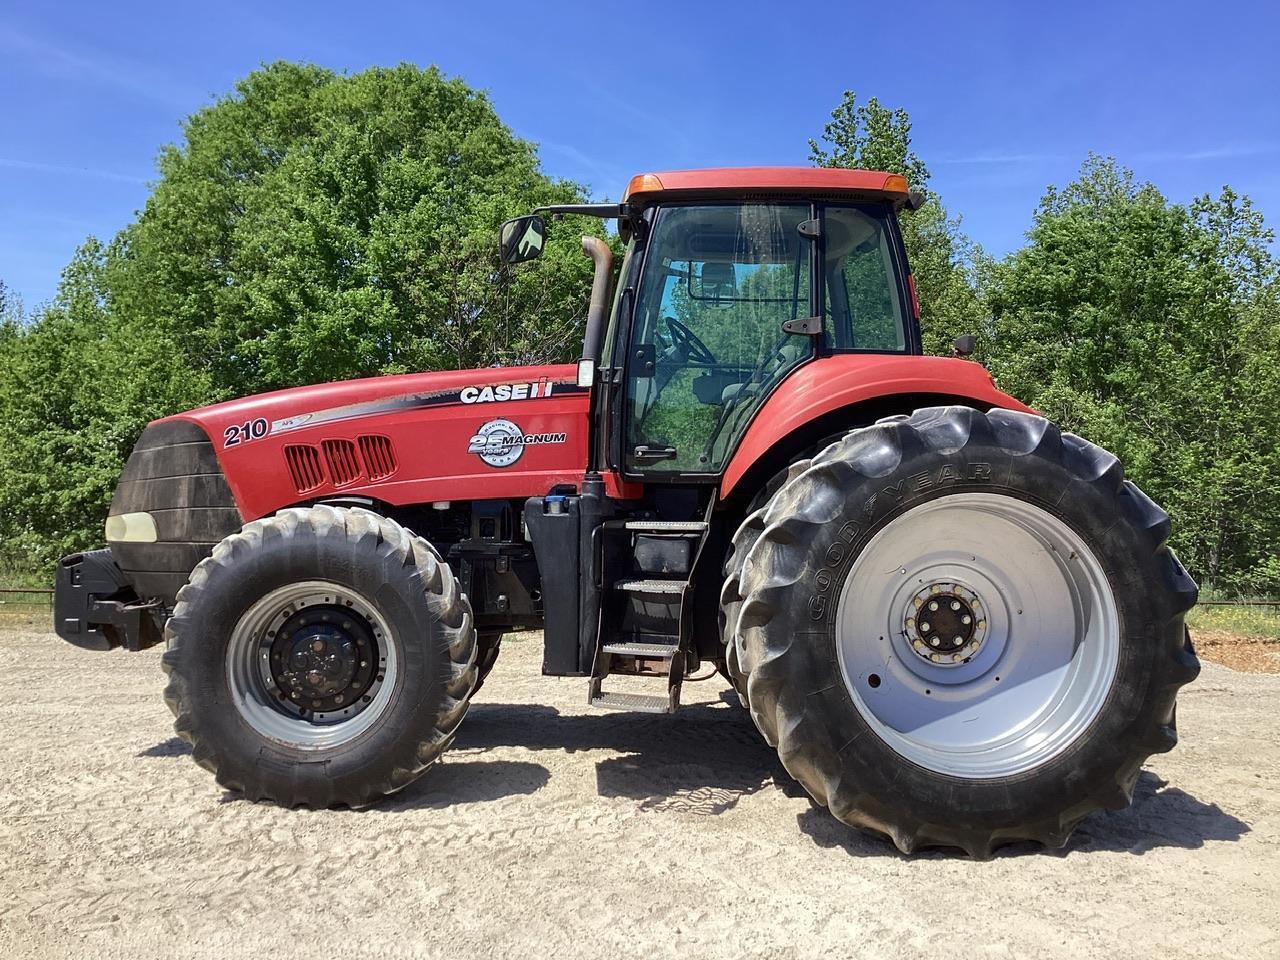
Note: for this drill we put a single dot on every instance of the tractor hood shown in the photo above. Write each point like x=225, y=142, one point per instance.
x=455, y=435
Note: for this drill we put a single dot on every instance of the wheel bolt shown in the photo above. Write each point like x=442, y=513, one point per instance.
x=935, y=641
x=955, y=604
x=966, y=619
x=924, y=627
x=933, y=605
x=958, y=640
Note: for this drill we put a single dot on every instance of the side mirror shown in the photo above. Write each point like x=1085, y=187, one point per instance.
x=522, y=239
x=964, y=345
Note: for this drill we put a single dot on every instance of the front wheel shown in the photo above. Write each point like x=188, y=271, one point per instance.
x=964, y=629
x=322, y=656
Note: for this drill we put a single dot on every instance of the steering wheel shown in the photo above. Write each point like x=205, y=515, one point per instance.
x=688, y=345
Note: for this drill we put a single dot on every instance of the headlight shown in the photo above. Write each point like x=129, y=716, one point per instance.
x=131, y=528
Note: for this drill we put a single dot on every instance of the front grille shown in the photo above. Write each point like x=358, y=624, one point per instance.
x=304, y=466
x=344, y=465
x=173, y=474
x=379, y=459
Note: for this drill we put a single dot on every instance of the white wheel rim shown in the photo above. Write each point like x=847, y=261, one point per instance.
x=256, y=695
x=1036, y=671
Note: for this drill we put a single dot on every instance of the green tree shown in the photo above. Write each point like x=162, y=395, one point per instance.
x=944, y=262
x=309, y=227
x=316, y=227
x=1154, y=329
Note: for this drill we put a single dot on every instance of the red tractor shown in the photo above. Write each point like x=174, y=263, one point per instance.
x=957, y=624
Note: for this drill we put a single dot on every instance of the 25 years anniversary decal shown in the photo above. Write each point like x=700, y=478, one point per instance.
x=500, y=443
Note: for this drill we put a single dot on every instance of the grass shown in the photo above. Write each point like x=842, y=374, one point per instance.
x=1244, y=621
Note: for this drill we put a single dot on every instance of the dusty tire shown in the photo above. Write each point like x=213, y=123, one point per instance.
x=743, y=540
x=488, y=646
x=395, y=675
x=807, y=626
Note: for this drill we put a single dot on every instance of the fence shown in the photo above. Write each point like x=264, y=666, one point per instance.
x=44, y=593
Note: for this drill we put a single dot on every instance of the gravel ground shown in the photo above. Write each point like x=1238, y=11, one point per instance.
x=555, y=831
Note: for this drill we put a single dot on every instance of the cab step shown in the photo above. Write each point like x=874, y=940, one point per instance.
x=655, y=651
x=636, y=702
x=651, y=586
x=666, y=526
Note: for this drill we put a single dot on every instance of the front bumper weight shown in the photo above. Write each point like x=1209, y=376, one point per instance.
x=94, y=606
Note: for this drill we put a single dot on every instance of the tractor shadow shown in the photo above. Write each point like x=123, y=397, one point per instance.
x=1160, y=816
x=702, y=760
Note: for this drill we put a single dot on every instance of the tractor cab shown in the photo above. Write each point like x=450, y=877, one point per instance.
x=730, y=282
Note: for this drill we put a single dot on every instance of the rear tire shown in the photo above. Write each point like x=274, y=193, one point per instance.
x=322, y=656
x=730, y=593
x=1073, y=599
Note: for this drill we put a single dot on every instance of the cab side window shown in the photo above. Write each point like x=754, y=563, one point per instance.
x=864, y=303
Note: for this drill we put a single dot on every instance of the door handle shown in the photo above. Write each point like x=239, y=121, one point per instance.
x=647, y=454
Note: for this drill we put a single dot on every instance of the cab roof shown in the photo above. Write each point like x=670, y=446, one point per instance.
x=650, y=187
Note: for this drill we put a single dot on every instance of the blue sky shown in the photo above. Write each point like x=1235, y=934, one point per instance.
x=1005, y=98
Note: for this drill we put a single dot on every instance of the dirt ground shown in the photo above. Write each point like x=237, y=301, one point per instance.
x=555, y=831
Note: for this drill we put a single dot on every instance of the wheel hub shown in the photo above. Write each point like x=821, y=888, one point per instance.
x=322, y=659
x=945, y=623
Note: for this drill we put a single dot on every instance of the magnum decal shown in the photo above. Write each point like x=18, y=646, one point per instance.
x=500, y=443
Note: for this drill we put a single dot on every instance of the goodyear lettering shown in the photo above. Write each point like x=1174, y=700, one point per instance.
x=826, y=577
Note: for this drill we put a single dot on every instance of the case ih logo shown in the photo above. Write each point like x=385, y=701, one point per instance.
x=505, y=391
x=500, y=443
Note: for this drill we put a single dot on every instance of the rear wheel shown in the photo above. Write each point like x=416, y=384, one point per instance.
x=964, y=629
x=322, y=656
x=730, y=595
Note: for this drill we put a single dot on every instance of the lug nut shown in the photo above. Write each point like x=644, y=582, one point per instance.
x=958, y=640
x=966, y=619
x=933, y=605
x=955, y=604
x=924, y=627
x=935, y=641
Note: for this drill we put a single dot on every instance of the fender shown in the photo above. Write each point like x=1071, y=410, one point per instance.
x=831, y=383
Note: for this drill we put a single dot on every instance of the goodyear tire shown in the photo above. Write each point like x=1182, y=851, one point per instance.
x=322, y=656
x=964, y=629
x=730, y=596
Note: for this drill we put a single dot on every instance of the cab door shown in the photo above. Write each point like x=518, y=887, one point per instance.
x=707, y=342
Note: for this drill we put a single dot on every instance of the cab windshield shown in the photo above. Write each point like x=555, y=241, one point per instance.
x=719, y=282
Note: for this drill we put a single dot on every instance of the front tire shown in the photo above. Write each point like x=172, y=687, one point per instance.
x=1048, y=671
x=322, y=656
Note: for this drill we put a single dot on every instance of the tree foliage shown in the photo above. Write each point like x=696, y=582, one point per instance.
x=944, y=262
x=1153, y=329
x=309, y=227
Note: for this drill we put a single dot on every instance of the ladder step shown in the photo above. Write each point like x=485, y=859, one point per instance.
x=664, y=651
x=667, y=526
x=638, y=702
x=651, y=586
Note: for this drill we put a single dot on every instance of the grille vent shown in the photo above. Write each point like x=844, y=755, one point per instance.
x=379, y=459
x=304, y=466
x=344, y=465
